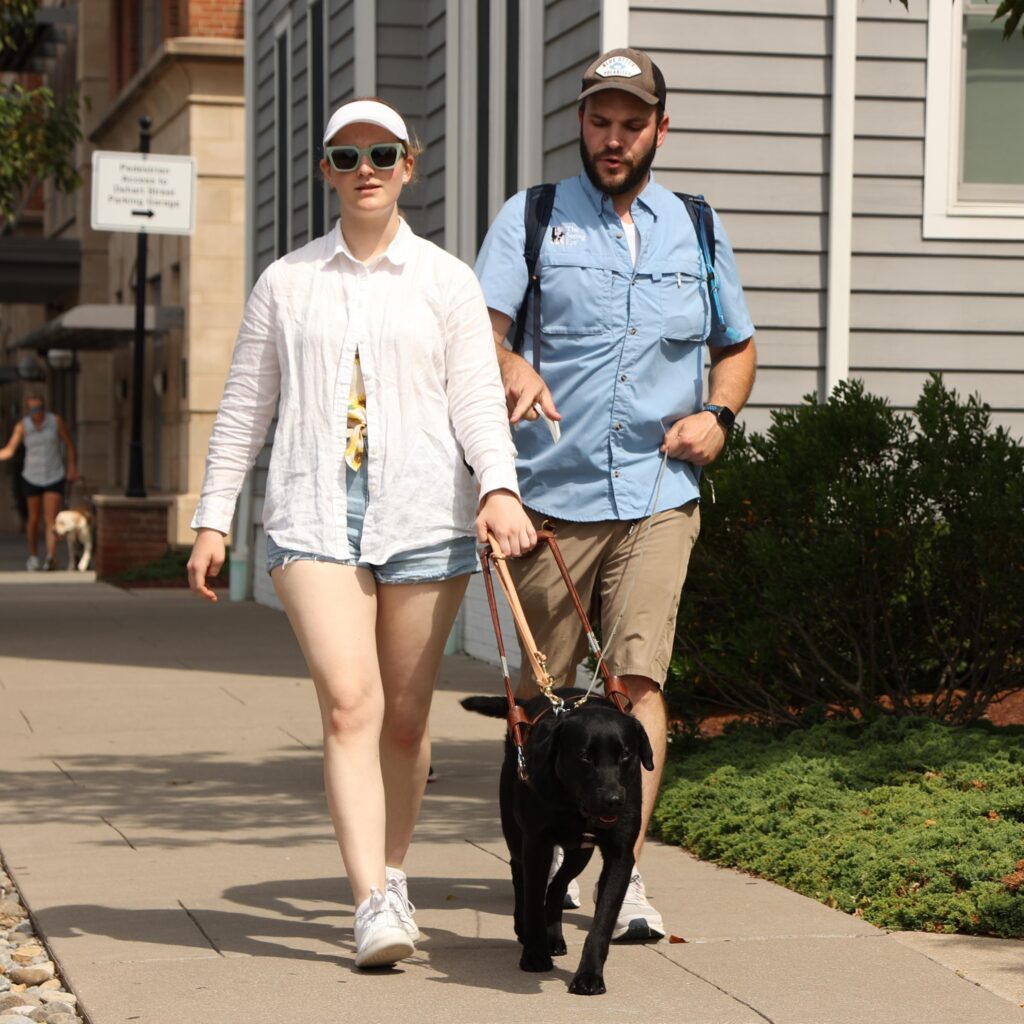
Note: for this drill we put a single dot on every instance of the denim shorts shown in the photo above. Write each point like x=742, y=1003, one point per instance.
x=441, y=561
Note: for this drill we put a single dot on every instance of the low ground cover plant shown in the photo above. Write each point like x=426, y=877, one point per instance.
x=907, y=822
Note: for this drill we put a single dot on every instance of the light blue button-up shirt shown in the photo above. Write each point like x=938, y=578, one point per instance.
x=621, y=345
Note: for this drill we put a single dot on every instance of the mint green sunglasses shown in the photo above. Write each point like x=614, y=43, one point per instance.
x=383, y=156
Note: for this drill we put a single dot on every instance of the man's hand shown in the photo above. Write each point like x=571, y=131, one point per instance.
x=697, y=439
x=524, y=387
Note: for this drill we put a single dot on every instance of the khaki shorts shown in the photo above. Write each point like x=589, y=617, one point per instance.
x=640, y=564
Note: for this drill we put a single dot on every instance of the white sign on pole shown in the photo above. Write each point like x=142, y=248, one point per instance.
x=143, y=192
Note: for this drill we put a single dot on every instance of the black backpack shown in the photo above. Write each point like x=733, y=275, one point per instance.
x=540, y=201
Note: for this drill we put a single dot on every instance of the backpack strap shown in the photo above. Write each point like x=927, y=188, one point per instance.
x=540, y=201
x=704, y=225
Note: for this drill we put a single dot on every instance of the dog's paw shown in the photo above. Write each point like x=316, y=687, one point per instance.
x=587, y=983
x=535, y=962
x=557, y=947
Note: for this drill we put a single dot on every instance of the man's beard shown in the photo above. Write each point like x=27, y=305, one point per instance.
x=639, y=172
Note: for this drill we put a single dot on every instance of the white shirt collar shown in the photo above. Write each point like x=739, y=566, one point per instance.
x=397, y=252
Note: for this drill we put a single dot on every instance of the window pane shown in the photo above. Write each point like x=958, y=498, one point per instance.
x=993, y=97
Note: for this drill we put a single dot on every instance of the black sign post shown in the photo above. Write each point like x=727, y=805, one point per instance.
x=136, y=487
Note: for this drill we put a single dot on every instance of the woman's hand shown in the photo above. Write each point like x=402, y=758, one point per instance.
x=502, y=515
x=206, y=560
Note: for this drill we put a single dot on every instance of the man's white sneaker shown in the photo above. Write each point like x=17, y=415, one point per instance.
x=398, y=897
x=33, y=564
x=380, y=938
x=572, y=893
x=638, y=921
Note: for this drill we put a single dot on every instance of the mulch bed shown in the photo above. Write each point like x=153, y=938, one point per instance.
x=1007, y=711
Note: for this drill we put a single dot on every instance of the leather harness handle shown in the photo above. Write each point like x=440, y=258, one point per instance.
x=529, y=645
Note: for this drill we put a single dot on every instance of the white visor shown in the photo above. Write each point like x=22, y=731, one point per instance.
x=366, y=112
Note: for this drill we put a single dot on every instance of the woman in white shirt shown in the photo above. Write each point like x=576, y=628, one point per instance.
x=378, y=345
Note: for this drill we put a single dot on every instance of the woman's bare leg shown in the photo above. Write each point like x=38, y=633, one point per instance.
x=34, y=503
x=52, y=502
x=333, y=611
x=413, y=623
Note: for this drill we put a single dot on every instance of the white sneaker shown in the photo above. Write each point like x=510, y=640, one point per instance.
x=638, y=921
x=572, y=893
x=380, y=938
x=33, y=564
x=398, y=896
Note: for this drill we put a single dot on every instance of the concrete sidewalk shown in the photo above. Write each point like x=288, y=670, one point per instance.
x=162, y=813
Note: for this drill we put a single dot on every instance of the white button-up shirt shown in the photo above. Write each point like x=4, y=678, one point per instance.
x=433, y=399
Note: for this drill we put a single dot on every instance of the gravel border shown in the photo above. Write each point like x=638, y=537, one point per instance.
x=30, y=988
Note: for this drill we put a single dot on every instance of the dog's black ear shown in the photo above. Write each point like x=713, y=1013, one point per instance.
x=644, y=747
x=493, y=707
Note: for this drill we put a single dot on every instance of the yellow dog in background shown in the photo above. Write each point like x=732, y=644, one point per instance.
x=75, y=526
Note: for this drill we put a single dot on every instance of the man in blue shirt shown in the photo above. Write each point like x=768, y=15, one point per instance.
x=625, y=313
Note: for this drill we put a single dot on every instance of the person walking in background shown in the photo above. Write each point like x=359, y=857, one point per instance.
x=43, y=475
x=625, y=311
x=379, y=346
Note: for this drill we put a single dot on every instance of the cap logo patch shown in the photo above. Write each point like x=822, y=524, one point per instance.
x=618, y=67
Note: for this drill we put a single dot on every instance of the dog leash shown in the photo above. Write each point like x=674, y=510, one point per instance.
x=518, y=720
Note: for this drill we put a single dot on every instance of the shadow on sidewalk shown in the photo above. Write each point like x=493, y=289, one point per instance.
x=193, y=799
x=303, y=919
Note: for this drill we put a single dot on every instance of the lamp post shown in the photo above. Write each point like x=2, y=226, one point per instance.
x=136, y=487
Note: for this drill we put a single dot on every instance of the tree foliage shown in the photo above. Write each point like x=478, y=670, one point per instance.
x=38, y=134
x=17, y=18
x=38, y=131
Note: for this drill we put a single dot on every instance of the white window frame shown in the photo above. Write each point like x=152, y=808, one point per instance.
x=946, y=214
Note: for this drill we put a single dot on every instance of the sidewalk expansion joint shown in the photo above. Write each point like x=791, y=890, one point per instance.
x=233, y=697
x=27, y=722
x=205, y=934
x=118, y=831
x=296, y=738
x=490, y=853
x=708, y=981
x=67, y=775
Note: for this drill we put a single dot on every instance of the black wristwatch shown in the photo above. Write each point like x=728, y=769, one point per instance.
x=723, y=414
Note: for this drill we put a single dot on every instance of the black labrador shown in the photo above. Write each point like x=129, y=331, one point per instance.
x=582, y=789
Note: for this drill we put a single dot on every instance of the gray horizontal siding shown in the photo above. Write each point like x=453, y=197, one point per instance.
x=402, y=76
x=341, y=51
x=572, y=38
x=432, y=164
x=749, y=104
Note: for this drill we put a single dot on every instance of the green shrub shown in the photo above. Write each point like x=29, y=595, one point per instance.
x=859, y=560
x=908, y=822
x=170, y=567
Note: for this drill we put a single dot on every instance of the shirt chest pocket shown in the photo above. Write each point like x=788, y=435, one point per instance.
x=575, y=294
x=682, y=298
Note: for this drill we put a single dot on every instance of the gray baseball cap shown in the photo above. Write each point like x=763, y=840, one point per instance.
x=626, y=69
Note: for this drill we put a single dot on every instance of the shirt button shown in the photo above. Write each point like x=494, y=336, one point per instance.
x=617, y=426
x=632, y=330
x=616, y=473
x=618, y=234
x=624, y=378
